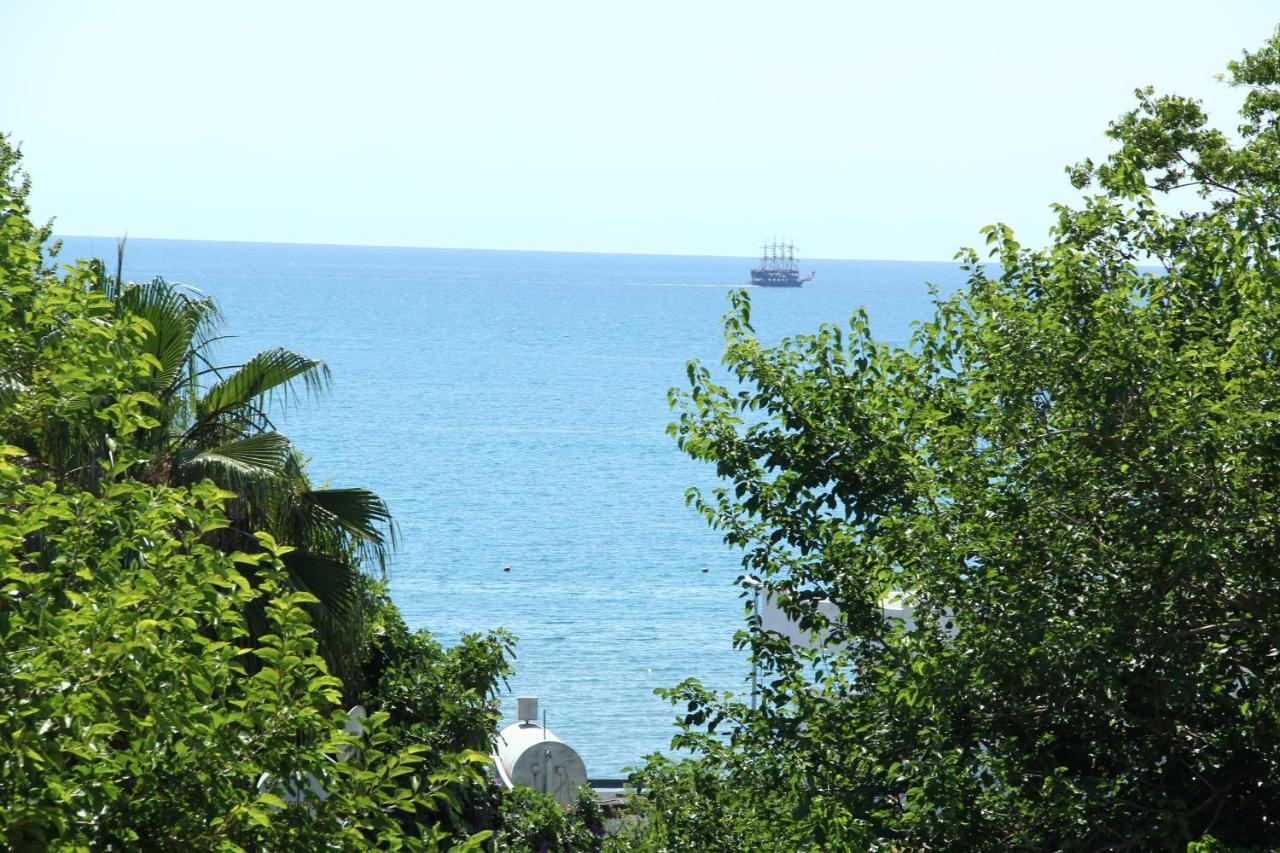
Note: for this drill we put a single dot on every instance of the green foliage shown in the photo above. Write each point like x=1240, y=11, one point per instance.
x=442, y=698
x=147, y=346
x=1072, y=475
x=69, y=374
x=534, y=822
x=686, y=806
x=127, y=711
x=213, y=423
x=161, y=678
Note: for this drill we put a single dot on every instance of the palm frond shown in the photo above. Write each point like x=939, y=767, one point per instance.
x=239, y=463
x=360, y=514
x=335, y=583
x=266, y=374
x=176, y=320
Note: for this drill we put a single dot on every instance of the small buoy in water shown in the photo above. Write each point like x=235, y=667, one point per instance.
x=506, y=568
x=704, y=571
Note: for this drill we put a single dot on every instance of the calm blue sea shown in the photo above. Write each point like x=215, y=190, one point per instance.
x=511, y=408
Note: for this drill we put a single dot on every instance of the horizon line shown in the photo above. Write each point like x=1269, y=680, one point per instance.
x=126, y=237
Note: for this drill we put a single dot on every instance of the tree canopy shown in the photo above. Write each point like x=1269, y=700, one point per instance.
x=1072, y=475
x=162, y=682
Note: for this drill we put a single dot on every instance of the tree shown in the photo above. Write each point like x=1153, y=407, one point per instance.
x=204, y=420
x=1072, y=474
x=128, y=715
x=139, y=707
x=129, y=711
x=213, y=422
x=47, y=403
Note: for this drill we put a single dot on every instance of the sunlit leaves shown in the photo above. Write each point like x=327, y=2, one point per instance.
x=138, y=710
x=1072, y=475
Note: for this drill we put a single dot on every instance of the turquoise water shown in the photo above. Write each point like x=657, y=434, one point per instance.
x=511, y=408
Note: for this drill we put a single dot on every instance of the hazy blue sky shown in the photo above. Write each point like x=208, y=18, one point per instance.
x=887, y=130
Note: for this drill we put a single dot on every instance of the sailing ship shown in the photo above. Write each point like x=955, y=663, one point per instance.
x=778, y=267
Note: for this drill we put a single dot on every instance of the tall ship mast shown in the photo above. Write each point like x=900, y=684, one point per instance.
x=778, y=267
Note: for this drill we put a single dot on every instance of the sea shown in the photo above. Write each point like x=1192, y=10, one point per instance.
x=511, y=408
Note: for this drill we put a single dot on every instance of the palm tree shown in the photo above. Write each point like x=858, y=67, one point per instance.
x=214, y=424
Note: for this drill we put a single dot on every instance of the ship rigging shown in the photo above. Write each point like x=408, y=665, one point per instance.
x=778, y=267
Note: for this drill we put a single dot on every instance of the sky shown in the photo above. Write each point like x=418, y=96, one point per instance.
x=857, y=130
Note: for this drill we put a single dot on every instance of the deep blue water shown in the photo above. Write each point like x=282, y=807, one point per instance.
x=511, y=407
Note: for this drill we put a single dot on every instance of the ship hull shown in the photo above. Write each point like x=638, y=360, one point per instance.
x=775, y=279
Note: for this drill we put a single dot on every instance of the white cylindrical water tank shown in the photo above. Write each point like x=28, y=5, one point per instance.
x=530, y=755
